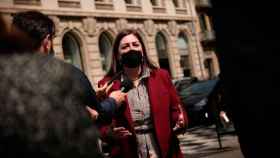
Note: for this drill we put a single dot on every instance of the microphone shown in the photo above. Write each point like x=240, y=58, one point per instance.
x=126, y=85
x=115, y=77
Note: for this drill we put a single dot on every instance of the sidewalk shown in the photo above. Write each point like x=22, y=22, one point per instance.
x=202, y=142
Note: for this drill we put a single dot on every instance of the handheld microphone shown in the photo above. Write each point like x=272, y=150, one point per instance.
x=115, y=77
x=126, y=85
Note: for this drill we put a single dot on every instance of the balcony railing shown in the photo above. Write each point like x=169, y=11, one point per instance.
x=157, y=9
x=203, y=3
x=133, y=8
x=207, y=36
x=181, y=11
x=104, y=5
x=69, y=3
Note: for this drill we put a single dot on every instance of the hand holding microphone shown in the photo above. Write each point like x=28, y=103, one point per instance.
x=102, y=92
x=119, y=95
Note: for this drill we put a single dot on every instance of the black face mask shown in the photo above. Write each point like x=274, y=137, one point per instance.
x=132, y=59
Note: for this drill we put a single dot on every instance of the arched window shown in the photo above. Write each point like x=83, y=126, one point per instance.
x=208, y=64
x=105, y=47
x=162, y=51
x=71, y=50
x=182, y=46
x=154, y=2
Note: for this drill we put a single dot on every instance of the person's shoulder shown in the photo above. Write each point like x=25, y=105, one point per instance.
x=104, y=80
x=159, y=72
x=64, y=65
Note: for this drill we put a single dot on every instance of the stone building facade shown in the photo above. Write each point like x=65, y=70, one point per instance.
x=207, y=37
x=85, y=31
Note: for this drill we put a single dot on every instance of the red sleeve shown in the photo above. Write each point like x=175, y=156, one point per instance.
x=103, y=81
x=176, y=104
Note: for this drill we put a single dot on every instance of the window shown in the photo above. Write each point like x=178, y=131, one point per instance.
x=27, y=2
x=158, y=6
x=202, y=22
x=208, y=64
x=105, y=47
x=162, y=51
x=161, y=45
x=69, y=4
x=133, y=5
x=104, y=1
x=176, y=4
x=104, y=5
x=182, y=46
x=71, y=50
x=154, y=2
x=128, y=1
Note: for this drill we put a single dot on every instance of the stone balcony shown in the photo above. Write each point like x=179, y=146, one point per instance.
x=104, y=5
x=27, y=2
x=203, y=4
x=207, y=35
x=133, y=8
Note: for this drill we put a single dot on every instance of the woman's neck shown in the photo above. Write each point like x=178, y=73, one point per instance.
x=133, y=73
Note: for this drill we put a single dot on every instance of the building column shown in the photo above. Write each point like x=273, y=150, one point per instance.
x=207, y=22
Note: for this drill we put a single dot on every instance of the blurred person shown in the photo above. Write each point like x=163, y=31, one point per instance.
x=247, y=52
x=39, y=29
x=36, y=119
x=147, y=124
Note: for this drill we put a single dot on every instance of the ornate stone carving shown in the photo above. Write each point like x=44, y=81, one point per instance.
x=70, y=25
x=121, y=24
x=89, y=26
x=149, y=27
x=191, y=27
x=173, y=28
x=56, y=21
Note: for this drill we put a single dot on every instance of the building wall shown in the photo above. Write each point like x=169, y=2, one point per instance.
x=87, y=19
x=207, y=35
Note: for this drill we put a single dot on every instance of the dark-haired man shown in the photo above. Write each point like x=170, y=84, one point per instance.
x=40, y=30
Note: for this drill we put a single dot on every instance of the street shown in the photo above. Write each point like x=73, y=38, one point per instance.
x=202, y=142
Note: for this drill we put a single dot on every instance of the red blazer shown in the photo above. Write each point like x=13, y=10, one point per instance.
x=164, y=103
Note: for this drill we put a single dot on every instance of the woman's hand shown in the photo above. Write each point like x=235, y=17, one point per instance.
x=181, y=124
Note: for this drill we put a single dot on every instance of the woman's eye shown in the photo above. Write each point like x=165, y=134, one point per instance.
x=136, y=44
x=124, y=47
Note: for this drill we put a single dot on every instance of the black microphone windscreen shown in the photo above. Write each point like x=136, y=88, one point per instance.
x=115, y=77
x=126, y=85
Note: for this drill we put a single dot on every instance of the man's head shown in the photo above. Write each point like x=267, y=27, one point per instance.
x=38, y=27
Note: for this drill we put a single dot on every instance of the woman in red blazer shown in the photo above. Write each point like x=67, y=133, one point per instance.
x=151, y=116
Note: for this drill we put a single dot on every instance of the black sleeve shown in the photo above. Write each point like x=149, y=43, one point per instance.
x=105, y=108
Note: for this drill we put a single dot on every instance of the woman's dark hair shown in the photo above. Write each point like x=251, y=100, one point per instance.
x=115, y=64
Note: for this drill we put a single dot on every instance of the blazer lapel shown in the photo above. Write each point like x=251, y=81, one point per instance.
x=125, y=108
x=154, y=91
